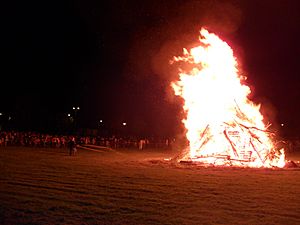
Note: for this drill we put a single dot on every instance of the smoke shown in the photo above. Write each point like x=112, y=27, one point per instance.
x=223, y=17
x=154, y=47
x=270, y=113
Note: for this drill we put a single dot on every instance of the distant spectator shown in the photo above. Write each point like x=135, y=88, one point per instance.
x=72, y=146
x=142, y=143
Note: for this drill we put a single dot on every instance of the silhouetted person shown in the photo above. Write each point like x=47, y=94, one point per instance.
x=72, y=146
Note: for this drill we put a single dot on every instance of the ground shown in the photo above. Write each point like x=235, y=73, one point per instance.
x=47, y=186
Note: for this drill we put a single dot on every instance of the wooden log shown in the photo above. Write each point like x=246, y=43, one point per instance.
x=204, y=142
x=206, y=138
x=204, y=132
x=254, y=128
x=232, y=144
x=256, y=152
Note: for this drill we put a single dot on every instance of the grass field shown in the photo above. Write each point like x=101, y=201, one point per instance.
x=46, y=186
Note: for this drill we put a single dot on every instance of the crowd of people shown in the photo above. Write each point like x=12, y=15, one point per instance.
x=33, y=139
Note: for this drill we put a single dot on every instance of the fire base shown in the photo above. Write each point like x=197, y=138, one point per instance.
x=203, y=161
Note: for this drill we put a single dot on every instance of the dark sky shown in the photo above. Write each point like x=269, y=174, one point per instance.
x=112, y=59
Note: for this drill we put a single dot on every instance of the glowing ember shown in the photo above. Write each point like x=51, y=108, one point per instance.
x=223, y=126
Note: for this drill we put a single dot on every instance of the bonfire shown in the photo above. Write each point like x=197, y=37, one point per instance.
x=223, y=126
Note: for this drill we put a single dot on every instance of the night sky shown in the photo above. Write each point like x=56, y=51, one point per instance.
x=112, y=59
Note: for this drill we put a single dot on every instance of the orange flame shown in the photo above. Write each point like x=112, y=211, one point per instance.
x=223, y=126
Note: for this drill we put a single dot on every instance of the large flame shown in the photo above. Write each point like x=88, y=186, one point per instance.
x=223, y=126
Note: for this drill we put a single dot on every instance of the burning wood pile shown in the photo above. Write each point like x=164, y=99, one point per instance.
x=242, y=147
x=223, y=126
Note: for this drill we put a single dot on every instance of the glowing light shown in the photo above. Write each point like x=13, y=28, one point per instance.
x=223, y=126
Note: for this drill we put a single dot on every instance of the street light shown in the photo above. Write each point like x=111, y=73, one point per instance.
x=124, y=124
x=76, y=109
x=100, y=123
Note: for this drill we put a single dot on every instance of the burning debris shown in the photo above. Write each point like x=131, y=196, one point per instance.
x=223, y=126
